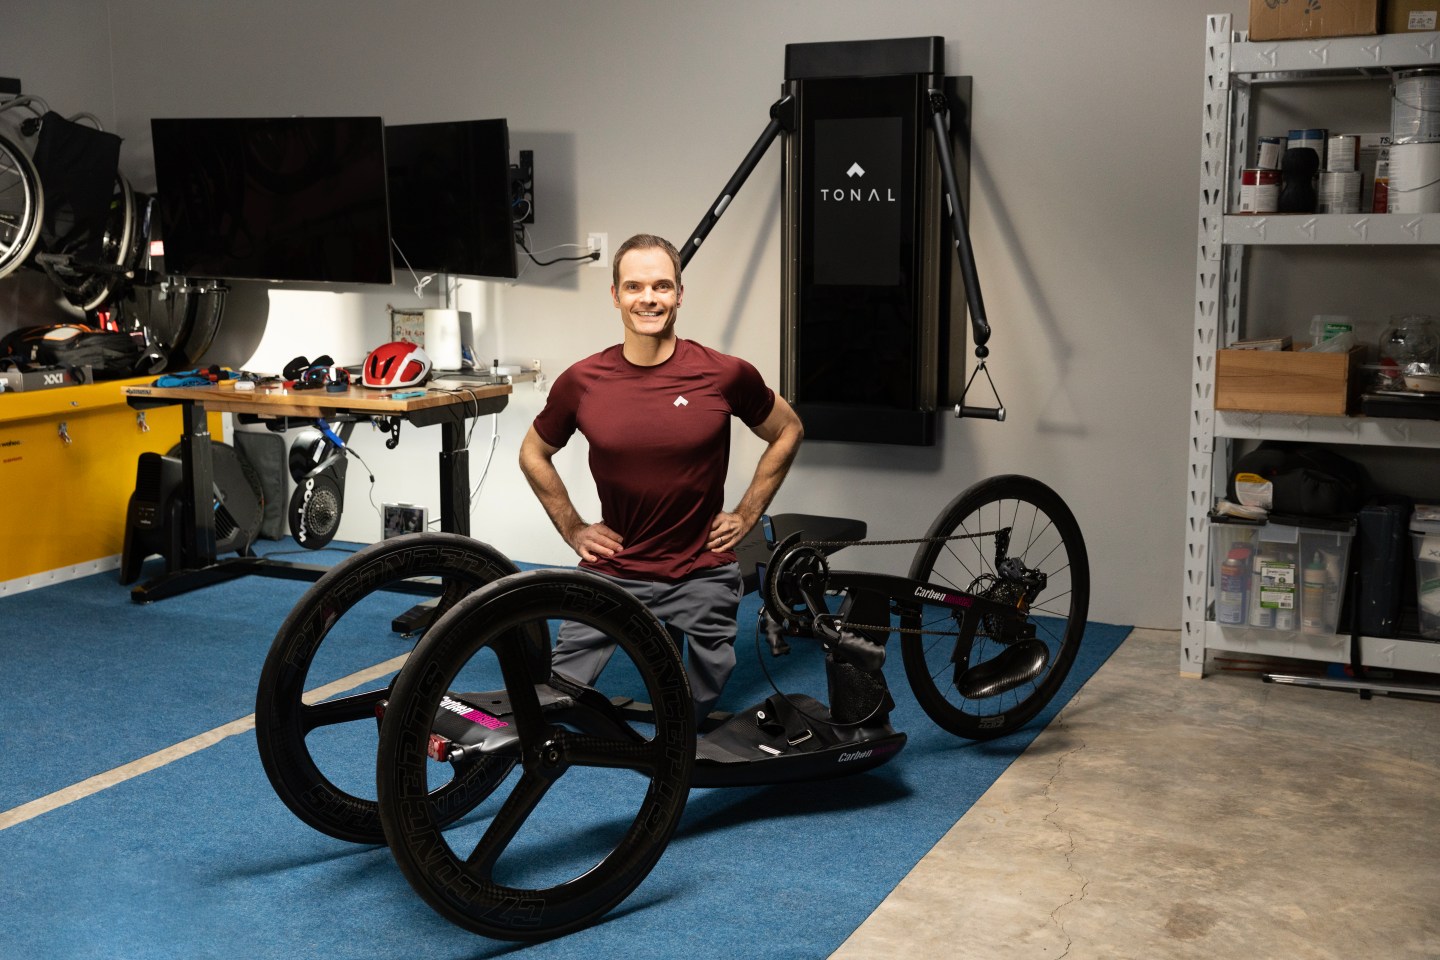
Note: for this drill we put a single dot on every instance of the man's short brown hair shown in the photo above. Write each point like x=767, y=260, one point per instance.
x=642, y=241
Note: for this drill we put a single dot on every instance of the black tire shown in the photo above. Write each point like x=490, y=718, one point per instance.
x=1044, y=538
x=22, y=205
x=597, y=864
x=119, y=247
x=283, y=722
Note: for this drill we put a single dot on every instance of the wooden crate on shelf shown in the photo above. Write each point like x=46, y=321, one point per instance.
x=1287, y=381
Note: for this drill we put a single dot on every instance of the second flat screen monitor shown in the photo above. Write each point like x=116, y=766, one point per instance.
x=450, y=200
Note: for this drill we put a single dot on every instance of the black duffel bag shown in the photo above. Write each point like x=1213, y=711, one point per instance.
x=1305, y=480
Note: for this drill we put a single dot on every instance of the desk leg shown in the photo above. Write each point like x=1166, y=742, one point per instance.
x=454, y=479
x=197, y=547
x=454, y=513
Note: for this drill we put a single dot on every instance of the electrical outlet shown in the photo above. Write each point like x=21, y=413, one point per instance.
x=522, y=188
x=599, y=242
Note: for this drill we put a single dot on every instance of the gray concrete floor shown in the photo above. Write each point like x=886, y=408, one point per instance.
x=1164, y=817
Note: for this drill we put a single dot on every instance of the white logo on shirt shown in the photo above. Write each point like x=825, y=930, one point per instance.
x=681, y=402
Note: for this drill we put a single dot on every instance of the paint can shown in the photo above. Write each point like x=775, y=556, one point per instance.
x=1259, y=191
x=1342, y=153
x=1339, y=192
x=1268, y=152
x=1313, y=138
x=1380, y=202
x=1415, y=106
x=1414, y=178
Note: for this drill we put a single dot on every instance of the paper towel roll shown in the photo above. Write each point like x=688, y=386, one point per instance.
x=442, y=338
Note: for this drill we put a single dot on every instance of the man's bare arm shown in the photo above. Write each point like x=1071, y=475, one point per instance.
x=782, y=431
x=590, y=540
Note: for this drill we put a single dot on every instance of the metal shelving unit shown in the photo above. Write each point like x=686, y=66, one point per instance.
x=1234, y=69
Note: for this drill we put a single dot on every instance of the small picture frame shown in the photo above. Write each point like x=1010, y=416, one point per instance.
x=408, y=324
x=401, y=518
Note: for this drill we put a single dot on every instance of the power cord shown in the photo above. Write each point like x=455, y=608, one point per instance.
x=520, y=238
x=420, y=282
x=474, y=406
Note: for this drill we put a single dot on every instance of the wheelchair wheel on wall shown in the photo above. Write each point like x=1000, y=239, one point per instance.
x=558, y=846
x=1019, y=545
x=320, y=753
x=22, y=204
x=120, y=249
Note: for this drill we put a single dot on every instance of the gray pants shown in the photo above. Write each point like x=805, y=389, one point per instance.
x=701, y=607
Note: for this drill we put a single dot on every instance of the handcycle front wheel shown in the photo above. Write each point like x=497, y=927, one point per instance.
x=346, y=619
x=1016, y=542
x=556, y=848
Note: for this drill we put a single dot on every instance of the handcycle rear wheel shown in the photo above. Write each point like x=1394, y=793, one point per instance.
x=342, y=609
x=498, y=873
x=1023, y=672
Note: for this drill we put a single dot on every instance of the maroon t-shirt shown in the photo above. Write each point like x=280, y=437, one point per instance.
x=659, y=449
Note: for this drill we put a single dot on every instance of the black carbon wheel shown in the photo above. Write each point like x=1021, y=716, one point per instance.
x=341, y=624
x=1029, y=554
x=594, y=805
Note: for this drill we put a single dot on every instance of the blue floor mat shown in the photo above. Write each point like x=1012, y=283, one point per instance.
x=200, y=859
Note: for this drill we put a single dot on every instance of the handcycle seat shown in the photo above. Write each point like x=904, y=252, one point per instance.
x=753, y=552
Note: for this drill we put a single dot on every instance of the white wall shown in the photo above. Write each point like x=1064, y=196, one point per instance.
x=1085, y=139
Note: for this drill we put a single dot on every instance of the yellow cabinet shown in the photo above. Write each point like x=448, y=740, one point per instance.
x=67, y=469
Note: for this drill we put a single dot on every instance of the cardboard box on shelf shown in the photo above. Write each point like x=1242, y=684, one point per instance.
x=1411, y=16
x=1287, y=381
x=1302, y=19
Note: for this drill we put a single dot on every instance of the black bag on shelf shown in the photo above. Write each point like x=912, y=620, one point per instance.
x=110, y=355
x=1306, y=480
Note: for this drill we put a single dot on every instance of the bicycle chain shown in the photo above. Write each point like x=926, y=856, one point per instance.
x=840, y=544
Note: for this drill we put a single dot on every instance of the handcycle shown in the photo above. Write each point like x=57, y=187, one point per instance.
x=505, y=790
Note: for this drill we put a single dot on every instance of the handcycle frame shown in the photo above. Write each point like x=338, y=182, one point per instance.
x=543, y=725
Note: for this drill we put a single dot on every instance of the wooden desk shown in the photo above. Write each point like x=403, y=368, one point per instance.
x=198, y=566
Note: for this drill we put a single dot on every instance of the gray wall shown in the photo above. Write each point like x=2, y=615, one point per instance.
x=1086, y=130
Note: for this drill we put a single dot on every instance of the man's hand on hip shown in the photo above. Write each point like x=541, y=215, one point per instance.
x=594, y=541
x=727, y=530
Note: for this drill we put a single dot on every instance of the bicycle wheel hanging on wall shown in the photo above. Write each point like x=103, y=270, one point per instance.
x=91, y=286
x=22, y=204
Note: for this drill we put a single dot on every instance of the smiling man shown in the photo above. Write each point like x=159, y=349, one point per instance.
x=655, y=410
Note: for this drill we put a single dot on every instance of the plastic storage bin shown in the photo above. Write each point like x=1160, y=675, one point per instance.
x=1425, y=535
x=1279, y=577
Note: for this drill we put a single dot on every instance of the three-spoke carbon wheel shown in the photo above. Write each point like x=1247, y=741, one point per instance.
x=597, y=795
x=1019, y=545
x=318, y=749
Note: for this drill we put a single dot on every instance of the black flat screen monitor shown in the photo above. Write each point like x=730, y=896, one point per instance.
x=288, y=199
x=450, y=201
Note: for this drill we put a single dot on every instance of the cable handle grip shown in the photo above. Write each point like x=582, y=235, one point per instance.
x=979, y=413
